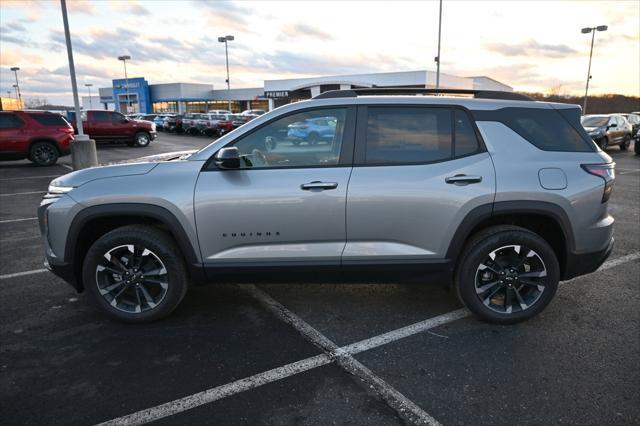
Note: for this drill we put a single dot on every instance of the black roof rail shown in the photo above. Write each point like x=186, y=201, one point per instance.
x=384, y=91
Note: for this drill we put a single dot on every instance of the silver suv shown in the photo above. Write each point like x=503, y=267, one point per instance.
x=497, y=195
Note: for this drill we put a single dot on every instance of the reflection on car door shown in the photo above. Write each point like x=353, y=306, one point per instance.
x=410, y=188
x=284, y=206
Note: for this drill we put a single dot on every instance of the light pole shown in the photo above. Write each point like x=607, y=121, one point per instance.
x=124, y=59
x=224, y=40
x=591, y=30
x=438, y=57
x=15, y=89
x=88, y=85
x=15, y=71
x=83, y=149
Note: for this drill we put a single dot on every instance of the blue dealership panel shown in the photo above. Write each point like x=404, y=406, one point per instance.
x=138, y=86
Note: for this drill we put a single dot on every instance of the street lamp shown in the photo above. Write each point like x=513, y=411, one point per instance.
x=124, y=59
x=224, y=40
x=437, y=58
x=591, y=30
x=15, y=89
x=88, y=85
x=15, y=70
x=83, y=148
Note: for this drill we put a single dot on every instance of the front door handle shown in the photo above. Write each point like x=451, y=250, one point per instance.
x=463, y=179
x=318, y=186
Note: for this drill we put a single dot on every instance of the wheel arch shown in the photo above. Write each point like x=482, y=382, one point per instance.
x=545, y=219
x=93, y=222
x=50, y=140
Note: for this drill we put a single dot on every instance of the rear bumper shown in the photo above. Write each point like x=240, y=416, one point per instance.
x=585, y=263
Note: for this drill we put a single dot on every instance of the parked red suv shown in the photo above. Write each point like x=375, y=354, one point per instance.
x=111, y=126
x=39, y=136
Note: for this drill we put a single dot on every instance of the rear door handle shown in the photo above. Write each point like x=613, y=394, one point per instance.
x=463, y=179
x=319, y=186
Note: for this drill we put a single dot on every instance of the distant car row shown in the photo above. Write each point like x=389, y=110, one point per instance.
x=212, y=123
x=613, y=129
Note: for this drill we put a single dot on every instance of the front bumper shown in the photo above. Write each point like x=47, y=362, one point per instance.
x=153, y=134
x=585, y=263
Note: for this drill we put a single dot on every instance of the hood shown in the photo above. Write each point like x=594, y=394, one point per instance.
x=80, y=177
x=138, y=166
x=167, y=156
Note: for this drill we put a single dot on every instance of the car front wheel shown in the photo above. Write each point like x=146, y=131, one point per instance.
x=507, y=274
x=142, y=139
x=135, y=274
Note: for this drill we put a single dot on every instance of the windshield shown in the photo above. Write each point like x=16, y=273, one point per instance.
x=595, y=121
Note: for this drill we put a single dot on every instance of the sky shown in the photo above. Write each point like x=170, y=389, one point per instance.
x=530, y=45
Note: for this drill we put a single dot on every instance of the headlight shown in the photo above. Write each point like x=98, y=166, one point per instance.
x=55, y=191
x=153, y=126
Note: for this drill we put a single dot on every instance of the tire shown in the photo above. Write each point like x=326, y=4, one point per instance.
x=636, y=146
x=153, y=251
x=43, y=154
x=625, y=143
x=313, y=138
x=604, y=144
x=142, y=139
x=482, y=283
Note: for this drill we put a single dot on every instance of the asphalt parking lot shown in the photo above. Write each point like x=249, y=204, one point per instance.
x=313, y=354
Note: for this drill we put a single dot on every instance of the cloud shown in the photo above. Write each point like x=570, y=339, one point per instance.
x=296, y=31
x=102, y=43
x=13, y=27
x=531, y=48
x=226, y=15
x=130, y=6
x=81, y=6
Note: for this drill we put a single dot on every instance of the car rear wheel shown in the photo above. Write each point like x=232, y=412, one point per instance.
x=135, y=274
x=625, y=143
x=507, y=274
x=142, y=139
x=313, y=139
x=43, y=153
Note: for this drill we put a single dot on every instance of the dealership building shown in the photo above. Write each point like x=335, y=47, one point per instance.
x=137, y=95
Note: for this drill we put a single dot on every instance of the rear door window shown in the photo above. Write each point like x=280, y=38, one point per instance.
x=466, y=141
x=101, y=116
x=50, y=119
x=408, y=135
x=9, y=121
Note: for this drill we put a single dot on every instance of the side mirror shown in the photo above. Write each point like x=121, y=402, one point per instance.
x=228, y=158
x=613, y=125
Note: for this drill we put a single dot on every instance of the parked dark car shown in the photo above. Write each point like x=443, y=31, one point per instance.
x=190, y=123
x=608, y=129
x=173, y=123
x=634, y=120
x=39, y=136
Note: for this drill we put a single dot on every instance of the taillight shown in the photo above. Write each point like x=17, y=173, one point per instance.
x=606, y=172
x=66, y=129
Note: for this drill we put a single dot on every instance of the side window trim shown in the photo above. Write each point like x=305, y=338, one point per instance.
x=359, y=158
x=346, y=150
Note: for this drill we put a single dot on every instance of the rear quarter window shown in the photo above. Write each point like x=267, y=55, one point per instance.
x=50, y=119
x=547, y=129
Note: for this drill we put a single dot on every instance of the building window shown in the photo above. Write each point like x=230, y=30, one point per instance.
x=165, y=106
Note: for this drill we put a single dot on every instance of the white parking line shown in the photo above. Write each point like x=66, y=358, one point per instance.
x=18, y=220
x=31, y=177
x=404, y=407
x=22, y=274
x=211, y=395
x=66, y=166
x=22, y=193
